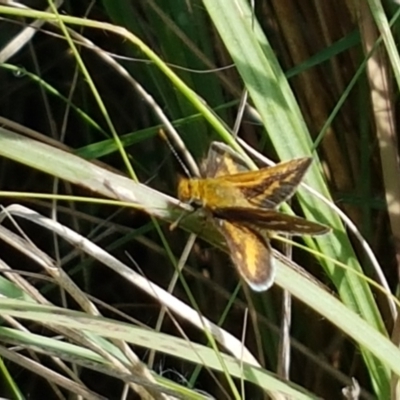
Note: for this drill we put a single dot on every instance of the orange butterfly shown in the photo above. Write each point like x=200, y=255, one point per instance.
x=243, y=207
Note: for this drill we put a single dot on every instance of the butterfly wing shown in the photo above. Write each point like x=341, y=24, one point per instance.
x=269, y=187
x=222, y=160
x=250, y=252
x=245, y=229
x=271, y=220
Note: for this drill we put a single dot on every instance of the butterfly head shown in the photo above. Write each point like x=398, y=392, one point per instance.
x=186, y=190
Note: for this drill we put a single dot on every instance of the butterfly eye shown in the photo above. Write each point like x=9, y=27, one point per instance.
x=186, y=190
x=183, y=189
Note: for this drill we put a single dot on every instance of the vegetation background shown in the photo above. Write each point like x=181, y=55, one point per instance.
x=86, y=88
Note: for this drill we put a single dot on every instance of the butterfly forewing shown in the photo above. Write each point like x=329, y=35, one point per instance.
x=250, y=252
x=269, y=187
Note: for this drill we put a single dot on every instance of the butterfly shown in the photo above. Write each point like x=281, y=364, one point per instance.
x=243, y=206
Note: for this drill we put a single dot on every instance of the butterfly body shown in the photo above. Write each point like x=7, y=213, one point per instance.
x=211, y=194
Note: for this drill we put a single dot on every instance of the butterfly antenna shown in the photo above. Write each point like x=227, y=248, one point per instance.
x=164, y=137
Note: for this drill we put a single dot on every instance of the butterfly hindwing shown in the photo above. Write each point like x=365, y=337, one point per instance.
x=250, y=252
x=272, y=220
